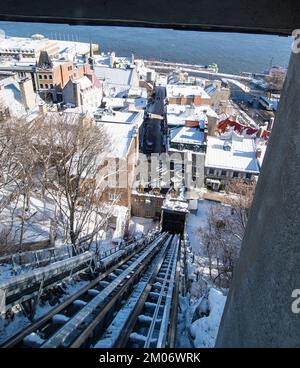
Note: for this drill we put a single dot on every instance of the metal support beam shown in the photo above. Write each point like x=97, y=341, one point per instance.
x=258, y=16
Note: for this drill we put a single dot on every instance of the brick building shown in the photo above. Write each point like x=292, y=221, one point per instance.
x=52, y=76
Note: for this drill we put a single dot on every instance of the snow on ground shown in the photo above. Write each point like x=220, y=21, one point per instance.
x=141, y=225
x=205, y=329
x=6, y=271
x=193, y=330
x=37, y=219
x=9, y=328
x=185, y=316
x=196, y=221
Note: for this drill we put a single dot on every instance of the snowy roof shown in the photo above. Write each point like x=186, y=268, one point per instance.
x=10, y=97
x=177, y=114
x=240, y=158
x=121, y=77
x=119, y=102
x=84, y=82
x=176, y=90
x=120, y=136
x=211, y=89
x=17, y=44
x=187, y=135
x=118, y=117
x=33, y=44
x=174, y=204
x=104, y=59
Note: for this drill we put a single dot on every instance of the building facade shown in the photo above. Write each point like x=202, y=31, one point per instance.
x=230, y=157
x=52, y=76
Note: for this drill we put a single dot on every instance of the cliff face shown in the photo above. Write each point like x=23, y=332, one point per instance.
x=258, y=311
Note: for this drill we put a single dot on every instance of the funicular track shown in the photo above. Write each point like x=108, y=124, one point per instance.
x=87, y=317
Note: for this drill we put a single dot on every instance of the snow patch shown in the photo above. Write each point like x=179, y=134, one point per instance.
x=205, y=329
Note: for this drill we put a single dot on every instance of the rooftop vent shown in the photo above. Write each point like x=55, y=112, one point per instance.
x=227, y=146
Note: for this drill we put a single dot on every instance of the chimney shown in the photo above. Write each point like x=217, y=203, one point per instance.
x=211, y=124
x=205, y=135
x=258, y=153
x=112, y=59
x=42, y=108
x=270, y=124
x=132, y=58
x=233, y=117
x=260, y=132
x=27, y=93
x=76, y=93
x=149, y=77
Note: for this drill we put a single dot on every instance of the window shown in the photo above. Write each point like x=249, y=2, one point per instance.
x=46, y=86
x=223, y=173
x=113, y=196
x=211, y=171
x=40, y=76
x=248, y=176
x=41, y=85
x=51, y=85
x=235, y=174
x=50, y=76
x=45, y=76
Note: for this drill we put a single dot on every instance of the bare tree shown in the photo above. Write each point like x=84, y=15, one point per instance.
x=17, y=168
x=71, y=154
x=63, y=159
x=240, y=197
x=224, y=233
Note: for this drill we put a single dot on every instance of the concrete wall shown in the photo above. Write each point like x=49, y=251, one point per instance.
x=258, y=310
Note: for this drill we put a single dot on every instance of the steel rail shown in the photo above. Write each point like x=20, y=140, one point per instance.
x=84, y=335
x=162, y=337
x=80, y=322
x=162, y=294
x=131, y=322
x=141, y=296
x=174, y=310
x=16, y=339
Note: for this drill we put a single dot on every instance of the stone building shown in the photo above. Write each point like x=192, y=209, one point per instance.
x=147, y=203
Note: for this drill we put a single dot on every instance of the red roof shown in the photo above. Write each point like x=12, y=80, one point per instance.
x=241, y=129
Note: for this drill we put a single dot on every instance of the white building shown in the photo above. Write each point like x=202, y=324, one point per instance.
x=22, y=47
x=85, y=92
x=178, y=114
x=228, y=157
x=185, y=94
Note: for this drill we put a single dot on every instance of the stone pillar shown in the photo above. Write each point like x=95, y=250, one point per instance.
x=258, y=311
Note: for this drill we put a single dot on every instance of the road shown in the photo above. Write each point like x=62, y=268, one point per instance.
x=153, y=134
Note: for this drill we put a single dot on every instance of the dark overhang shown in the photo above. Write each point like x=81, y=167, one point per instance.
x=253, y=16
